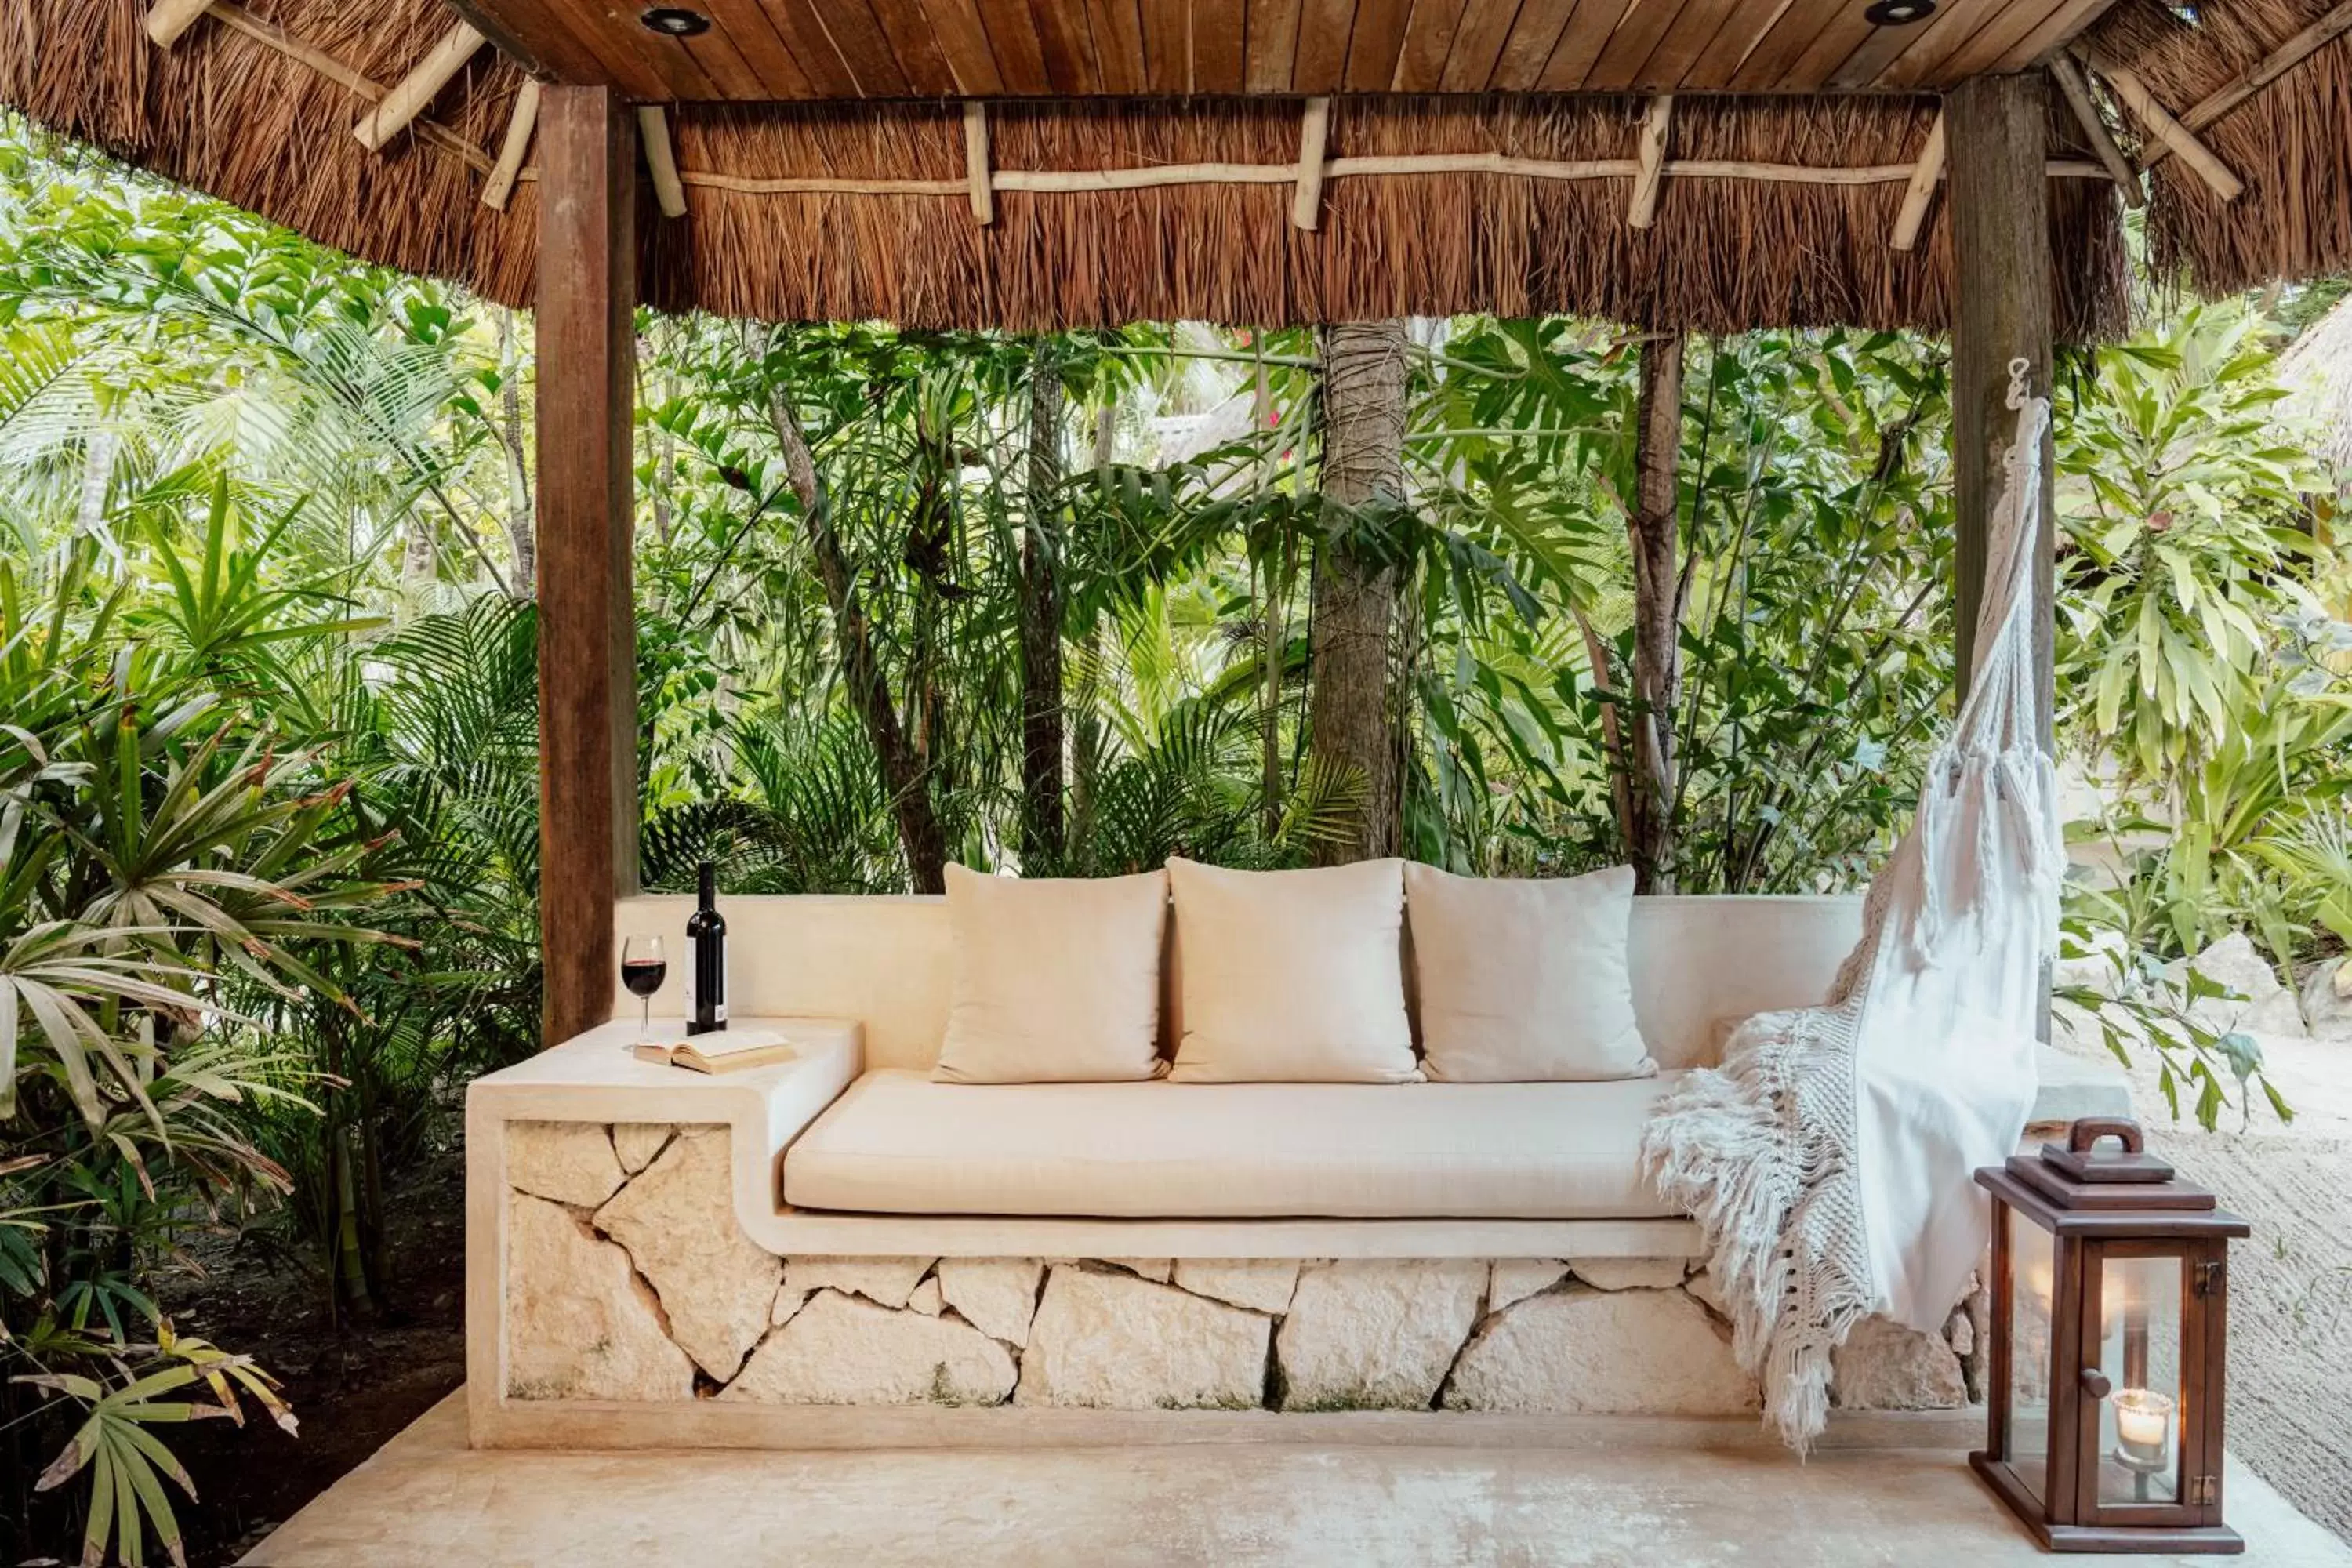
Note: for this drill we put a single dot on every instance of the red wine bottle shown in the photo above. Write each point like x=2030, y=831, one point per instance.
x=706, y=933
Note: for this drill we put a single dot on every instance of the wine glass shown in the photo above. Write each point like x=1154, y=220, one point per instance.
x=644, y=967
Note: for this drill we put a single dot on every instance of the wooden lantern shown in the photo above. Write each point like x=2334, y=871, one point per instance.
x=2109, y=1294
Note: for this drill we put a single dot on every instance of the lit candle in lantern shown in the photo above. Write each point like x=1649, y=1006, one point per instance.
x=2143, y=1427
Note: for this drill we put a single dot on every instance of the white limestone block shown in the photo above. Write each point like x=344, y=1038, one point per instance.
x=887, y=1281
x=926, y=1299
x=1703, y=1289
x=2328, y=1000
x=2269, y=1008
x=1261, y=1284
x=1629, y=1273
x=1517, y=1278
x=580, y=1324
x=998, y=1296
x=1156, y=1269
x=788, y=1301
x=839, y=1350
x=1117, y=1342
x=1375, y=1333
x=637, y=1143
x=677, y=1220
x=1883, y=1365
x=563, y=1161
x=1646, y=1353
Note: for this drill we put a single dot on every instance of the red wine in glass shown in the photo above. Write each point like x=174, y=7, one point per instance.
x=644, y=967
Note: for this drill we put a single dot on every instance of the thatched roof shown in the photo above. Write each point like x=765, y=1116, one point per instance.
x=1774, y=210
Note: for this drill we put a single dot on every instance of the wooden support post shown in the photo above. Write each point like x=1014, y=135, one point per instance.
x=587, y=630
x=1650, y=176
x=1314, y=136
x=1912, y=216
x=2169, y=133
x=2001, y=311
x=170, y=18
x=415, y=92
x=976, y=162
x=499, y=187
x=661, y=160
x=2077, y=90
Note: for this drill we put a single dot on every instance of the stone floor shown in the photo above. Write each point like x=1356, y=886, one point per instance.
x=427, y=1499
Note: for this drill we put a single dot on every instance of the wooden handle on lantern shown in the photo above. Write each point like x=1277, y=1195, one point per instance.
x=2090, y=1129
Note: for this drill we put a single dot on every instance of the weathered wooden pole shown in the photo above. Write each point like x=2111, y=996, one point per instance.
x=1652, y=530
x=587, y=625
x=1997, y=127
x=1999, y=192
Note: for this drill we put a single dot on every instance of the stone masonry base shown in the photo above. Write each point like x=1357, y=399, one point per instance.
x=627, y=1278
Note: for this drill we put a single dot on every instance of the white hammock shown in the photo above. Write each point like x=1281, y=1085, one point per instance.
x=1828, y=1160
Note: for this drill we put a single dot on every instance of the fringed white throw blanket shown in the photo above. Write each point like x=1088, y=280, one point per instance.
x=1828, y=1160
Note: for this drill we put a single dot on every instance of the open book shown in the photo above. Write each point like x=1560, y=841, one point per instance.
x=722, y=1050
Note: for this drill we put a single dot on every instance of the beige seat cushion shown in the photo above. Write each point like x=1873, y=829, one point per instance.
x=900, y=1144
x=1056, y=980
x=1523, y=980
x=1292, y=976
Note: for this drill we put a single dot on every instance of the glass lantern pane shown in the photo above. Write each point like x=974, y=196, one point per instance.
x=2139, y=1350
x=2033, y=1287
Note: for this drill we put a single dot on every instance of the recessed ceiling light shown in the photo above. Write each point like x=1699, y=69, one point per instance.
x=1899, y=13
x=677, y=22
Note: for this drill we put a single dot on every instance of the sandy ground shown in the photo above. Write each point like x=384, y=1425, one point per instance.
x=2290, y=1414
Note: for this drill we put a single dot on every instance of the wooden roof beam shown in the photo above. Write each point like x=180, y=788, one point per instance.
x=2077, y=90
x=2167, y=131
x=170, y=18
x=1650, y=176
x=1314, y=137
x=499, y=187
x=1912, y=216
x=661, y=160
x=415, y=92
x=2272, y=66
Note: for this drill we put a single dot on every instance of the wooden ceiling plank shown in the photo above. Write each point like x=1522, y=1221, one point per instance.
x=1813, y=39
x=1377, y=45
x=963, y=40
x=1118, y=30
x=1995, y=29
x=748, y=27
x=1882, y=47
x=1066, y=46
x=1478, y=45
x=1535, y=33
x=1720, y=59
x=717, y=55
x=627, y=64
x=914, y=42
x=1273, y=44
x=819, y=58
x=1580, y=43
x=1013, y=44
x=1428, y=40
x=1638, y=33
x=2070, y=21
x=1219, y=46
x=535, y=41
x=864, y=48
x=1323, y=28
x=1167, y=46
x=1679, y=52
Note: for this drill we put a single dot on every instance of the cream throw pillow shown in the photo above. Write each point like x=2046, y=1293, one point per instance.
x=1522, y=981
x=1292, y=976
x=1056, y=980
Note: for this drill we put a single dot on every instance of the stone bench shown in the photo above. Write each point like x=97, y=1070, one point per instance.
x=637, y=1275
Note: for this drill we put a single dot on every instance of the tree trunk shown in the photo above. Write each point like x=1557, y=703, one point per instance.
x=903, y=772
x=1351, y=711
x=1650, y=525
x=522, y=535
x=1042, y=840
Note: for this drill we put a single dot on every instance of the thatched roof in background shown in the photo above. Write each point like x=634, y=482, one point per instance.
x=2317, y=371
x=226, y=112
